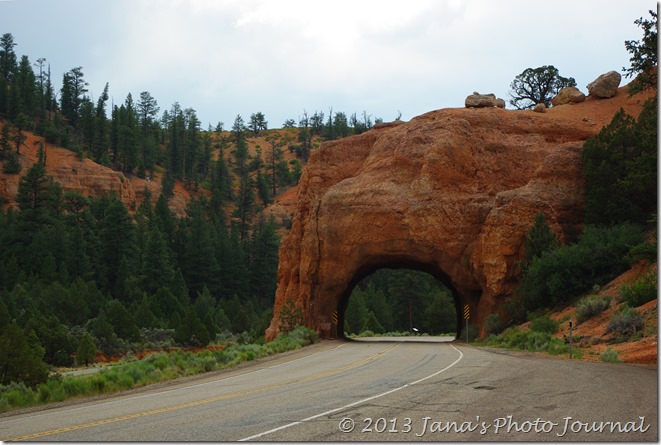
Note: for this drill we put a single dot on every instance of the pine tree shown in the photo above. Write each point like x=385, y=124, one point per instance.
x=264, y=261
x=200, y=266
x=241, y=154
x=21, y=124
x=274, y=159
x=122, y=321
x=21, y=361
x=7, y=57
x=245, y=206
x=644, y=58
x=71, y=94
x=103, y=331
x=117, y=240
x=356, y=314
x=143, y=314
x=540, y=239
x=157, y=267
x=619, y=165
x=99, y=142
x=54, y=337
x=5, y=140
x=7, y=70
x=176, y=129
x=125, y=136
x=24, y=86
x=264, y=188
x=192, y=146
x=441, y=315
x=147, y=110
x=38, y=197
x=257, y=123
x=86, y=352
x=191, y=330
x=205, y=307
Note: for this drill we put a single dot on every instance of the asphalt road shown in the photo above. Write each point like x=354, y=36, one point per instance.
x=377, y=391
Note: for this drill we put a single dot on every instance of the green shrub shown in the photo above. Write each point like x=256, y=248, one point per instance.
x=304, y=336
x=560, y=274
x=533, y=341
x=137, y=373
x=626, y=322
x=590, y=306
x=20, y=397
x=98, y=384
x=57, y=392
x=43, y=393
x=609, y=355
x=544, y=324
x=643, y=251
x=76, y=386
x=494, y=324
x=641, y=291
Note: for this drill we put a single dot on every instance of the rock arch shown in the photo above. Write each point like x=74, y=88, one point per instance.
x=453, y=191
x=407, y=261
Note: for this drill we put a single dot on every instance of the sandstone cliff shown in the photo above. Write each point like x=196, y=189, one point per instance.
x=88, y=178
x=452, y=192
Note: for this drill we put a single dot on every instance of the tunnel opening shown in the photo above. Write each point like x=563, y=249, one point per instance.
x=400, y=296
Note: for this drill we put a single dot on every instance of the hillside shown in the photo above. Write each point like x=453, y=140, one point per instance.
x=92, y=179
x=593, y=335
x=89, y=178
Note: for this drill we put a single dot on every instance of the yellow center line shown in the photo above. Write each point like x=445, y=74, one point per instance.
x=30, y=437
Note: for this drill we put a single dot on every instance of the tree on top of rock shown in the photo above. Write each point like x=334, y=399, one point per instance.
x=537, y=85
x=644, y=57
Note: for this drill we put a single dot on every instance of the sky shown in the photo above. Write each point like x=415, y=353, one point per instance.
x=225, y=58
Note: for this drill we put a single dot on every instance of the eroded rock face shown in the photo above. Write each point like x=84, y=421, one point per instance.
x=452, y=192
x=81, y=176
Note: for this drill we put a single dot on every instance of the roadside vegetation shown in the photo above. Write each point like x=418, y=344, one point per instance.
x=153, y=368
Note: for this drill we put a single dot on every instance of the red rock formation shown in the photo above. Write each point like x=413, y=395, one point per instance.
x=83, y=176
x=452, y=192
x=88, y=178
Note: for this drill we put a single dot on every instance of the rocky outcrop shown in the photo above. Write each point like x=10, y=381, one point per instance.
x=452, y=192
x=90, y=179
x=605, y=85
x=79, y=175
x=568, y=95
x=539, y=108
x=477, y=100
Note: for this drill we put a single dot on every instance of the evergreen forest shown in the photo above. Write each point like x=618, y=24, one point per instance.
x=85, y=276
x=82, y=276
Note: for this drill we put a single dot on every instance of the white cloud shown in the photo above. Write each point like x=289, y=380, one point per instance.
x=224, y=57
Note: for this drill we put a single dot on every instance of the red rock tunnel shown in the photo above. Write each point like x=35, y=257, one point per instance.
x=452, y=192
x=400, y=262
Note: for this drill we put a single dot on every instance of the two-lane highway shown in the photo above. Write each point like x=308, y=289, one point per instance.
x=372, y=390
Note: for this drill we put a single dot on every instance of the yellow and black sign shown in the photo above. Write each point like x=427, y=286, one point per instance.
x=467, y=312
x=334, y=318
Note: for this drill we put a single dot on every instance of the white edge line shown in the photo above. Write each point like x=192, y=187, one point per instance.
x=359, y=402
x=122, y=399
